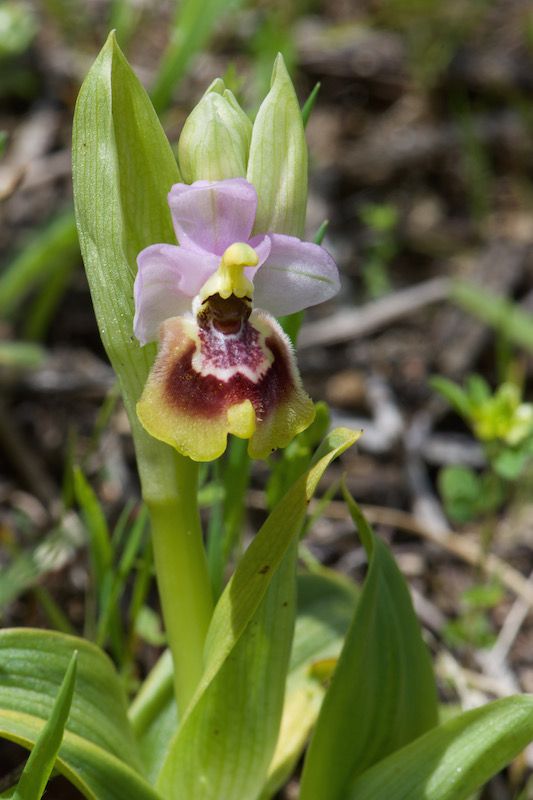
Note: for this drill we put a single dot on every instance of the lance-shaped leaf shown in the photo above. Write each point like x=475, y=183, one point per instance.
x=277, y=166
x=228, y=740
x=215, y=139
x=383, y=693
x=123, y=167
x=225, y=744
x=40, y=764
x=325, y=609
x=98, y=753
x=452, y=761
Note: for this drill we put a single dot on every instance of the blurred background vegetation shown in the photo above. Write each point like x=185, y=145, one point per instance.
x=421, y=158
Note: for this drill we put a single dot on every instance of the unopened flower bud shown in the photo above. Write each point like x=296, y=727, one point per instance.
x=277, y=165
x=215, y=139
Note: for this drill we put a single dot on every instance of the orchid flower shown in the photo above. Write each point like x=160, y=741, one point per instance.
x=224, y=363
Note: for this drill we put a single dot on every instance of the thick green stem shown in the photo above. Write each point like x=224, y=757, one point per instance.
x=182, y=577
x=170, y=490
x=169, y=484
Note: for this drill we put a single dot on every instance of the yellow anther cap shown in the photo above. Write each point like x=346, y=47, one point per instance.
x=229, y=279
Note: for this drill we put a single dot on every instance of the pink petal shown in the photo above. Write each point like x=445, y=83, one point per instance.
x=295, y=275
x=167, y=279
x=262, y=246
x=210, y=216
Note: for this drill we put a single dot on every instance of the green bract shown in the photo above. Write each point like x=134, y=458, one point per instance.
x=277, y=166
x=215, y=140
x=122, y=167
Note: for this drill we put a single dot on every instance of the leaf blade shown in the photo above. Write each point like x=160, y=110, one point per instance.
x=122, y=169
x=98, y=753
x=325, y=609
x=33, y=665
x=98, y=774
x=452, y=761
x=225, y=743
x=389, y=690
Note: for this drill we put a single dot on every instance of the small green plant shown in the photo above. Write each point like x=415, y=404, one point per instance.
x=473, y=626
x=503, y=423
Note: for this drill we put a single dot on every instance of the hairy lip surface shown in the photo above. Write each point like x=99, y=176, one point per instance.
x=208, y=396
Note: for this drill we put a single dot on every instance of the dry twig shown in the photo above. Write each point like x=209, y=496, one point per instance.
x=348, y=324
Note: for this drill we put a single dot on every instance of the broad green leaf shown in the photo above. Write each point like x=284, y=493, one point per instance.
x=452, y=761
x=123, y=168
x=33, y=665
x=249, y=583
x=98, y=753
x=96, y=773
x=40, y=764
x=325, y=608
x=224, y=746
x=383, y=693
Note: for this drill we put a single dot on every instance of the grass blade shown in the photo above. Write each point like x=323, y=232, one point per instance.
x=42, y=758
